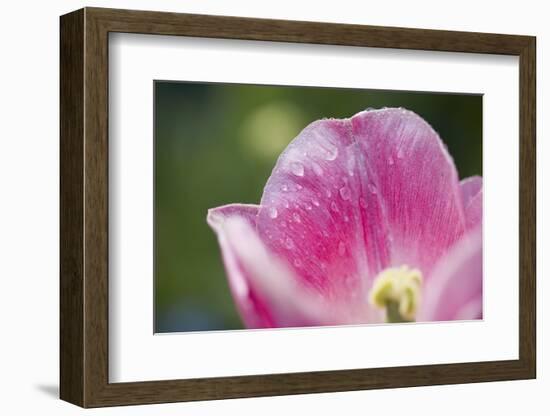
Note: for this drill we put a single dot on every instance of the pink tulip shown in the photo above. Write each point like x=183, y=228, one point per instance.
x=363, y=220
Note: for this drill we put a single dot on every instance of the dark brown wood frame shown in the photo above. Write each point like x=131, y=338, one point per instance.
x=84, y=208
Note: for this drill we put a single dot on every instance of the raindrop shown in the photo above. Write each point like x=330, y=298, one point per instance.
x=297, y=168
x=400, y=153
x=273, y=212
x=372, y=188
x=284, y=188
x=351, y=166
x=329, y=194
x=325, y=233
x=362, y=202
x=345, y=193
x=289, y=243
x=298, y=186
x=333, y=206
x=390, y=160
x=297, y=262
x=308, y=207
x=346, y=218
x=286, y=204
x=341, y=248
x=296, y=217
x=317, y=169
x=315, y=202
x=330, y=152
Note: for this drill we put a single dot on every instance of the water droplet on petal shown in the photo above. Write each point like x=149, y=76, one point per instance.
x=372, y=188
x=309, y=207
x=297, y=262
x=330, y=152
x=334, y=207
x=329, y=194
x=289, y=243
x=325, y=233
x=284, y=188
x=297, y=168
x=296, y=217
x=273, y=212
x=362, y=202
x=346, y=218
x=341, y=248
x=286, y=204
x=400, y=153
x=351, y=166
x=390, y=160
x=315, y=202
x=345, y=193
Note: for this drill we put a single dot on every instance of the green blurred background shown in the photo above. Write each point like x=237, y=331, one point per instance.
x=217, y=143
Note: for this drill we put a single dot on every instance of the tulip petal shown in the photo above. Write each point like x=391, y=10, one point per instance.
x=472, y=199
x=469, y=188
x=474, y=211
x=265, y=291
x=455, y=288
x=310, y=213
x=416, y=178
x=348, y=198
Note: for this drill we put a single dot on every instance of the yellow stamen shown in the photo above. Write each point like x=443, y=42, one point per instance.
x=397, y=290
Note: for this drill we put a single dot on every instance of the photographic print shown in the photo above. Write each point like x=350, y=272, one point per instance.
x=321, y=189
x=292, y=206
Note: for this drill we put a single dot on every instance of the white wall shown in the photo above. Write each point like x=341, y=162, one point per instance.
x=29, y=206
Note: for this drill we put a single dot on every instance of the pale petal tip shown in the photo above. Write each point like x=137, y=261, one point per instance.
x=216, y=217
x=384, y=110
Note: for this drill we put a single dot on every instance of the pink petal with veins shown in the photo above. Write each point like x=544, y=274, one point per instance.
x=472, y=199
x=263, y=287
x=469, y=188
x=417, y=182
x=455, y=289
x=315, y=191
x=346, y=199
x=355, y=196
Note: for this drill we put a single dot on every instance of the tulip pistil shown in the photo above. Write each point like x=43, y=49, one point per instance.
x=397, y=290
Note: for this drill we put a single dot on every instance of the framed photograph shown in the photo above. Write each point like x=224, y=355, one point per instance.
x=256, y=207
